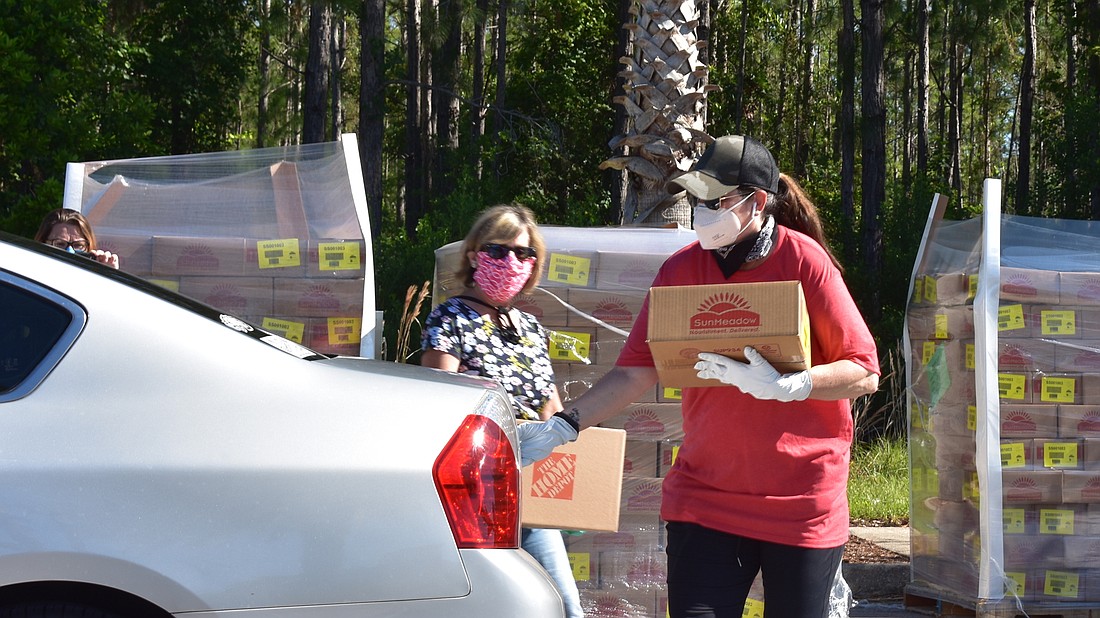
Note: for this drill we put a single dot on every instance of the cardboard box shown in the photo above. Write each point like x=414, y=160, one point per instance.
x=241, y=296
x=135, y=252
x=724, y=319
x=579, y=486
x=619, y=309
x=1029, y=285
x=1081, y=486
x=1031, y=486
x=194, y=255
x=628, y=271
x=941, y=289
x=545, y=306
x=572, y=345
x=319, y=298
x=1079, y=288
x=336, y=335
x=1029, y=421
x=652, y=422
x=1079, y=355
x=1079, y=421
x=570, y=269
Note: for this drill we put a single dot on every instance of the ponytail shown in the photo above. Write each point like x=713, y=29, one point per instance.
x=793, y=209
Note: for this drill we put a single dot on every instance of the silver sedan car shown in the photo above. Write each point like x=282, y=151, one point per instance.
x=158, y=458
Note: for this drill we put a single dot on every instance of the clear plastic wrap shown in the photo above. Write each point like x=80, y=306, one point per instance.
x=1003, y=340
x=279, y=236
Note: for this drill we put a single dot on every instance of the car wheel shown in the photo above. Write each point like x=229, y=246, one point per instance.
x=54, y=610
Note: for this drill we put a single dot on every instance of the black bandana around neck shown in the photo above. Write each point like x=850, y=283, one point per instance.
x=756, y=247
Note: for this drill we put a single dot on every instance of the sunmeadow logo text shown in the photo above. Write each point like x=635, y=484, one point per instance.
x=724, y=311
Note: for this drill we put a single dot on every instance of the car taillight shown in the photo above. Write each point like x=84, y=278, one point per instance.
x=478, y=481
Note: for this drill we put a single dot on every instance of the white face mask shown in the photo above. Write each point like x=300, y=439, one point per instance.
x=718, y=228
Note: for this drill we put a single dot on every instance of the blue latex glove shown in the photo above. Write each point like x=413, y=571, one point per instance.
x=536, y=439
x=756, y=377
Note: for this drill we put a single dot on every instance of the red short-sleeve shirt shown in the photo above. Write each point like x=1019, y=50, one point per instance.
x=767, y=470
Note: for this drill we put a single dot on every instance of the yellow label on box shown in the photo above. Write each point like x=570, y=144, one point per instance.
x=972, y=287
x=288, y=329
x=1061, y=584
x=754, y=608
x=1015, y=582
x=940, y=328
x=1058, y=390
x=581, y=564
x=933, y=480
x=1012, y=386
x=969, y=356
x=918, y=287
x=1012, y=455
x=569, y=346
x=167, y=284
x=927, y=349
x=1055, y=521
x=1010, y=317
x=1013, y=521
x=570, y=269
x=338, y=256
x=1058, y=322
x=343, y=331
x=972, y=418
x=283, y=253
x=672, y=392
x=1060, y=454
x=675, y=453
x=931, y=292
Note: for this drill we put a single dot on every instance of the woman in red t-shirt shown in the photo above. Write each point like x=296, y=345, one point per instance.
x=760, y=482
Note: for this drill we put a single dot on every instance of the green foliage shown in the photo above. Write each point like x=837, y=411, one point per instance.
x=878, y=481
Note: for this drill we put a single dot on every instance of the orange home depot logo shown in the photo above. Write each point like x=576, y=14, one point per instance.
x=1020, y=285
x=724, y=311
x=554, y=477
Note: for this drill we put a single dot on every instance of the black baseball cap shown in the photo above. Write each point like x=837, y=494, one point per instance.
x=729, y=162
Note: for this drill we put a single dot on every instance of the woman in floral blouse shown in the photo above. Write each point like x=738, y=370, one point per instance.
x=480, y=333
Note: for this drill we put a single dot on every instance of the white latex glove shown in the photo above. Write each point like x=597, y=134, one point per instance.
x=756, y=377
x=536, y=439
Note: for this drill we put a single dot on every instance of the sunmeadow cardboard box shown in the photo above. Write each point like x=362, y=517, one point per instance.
x=578, y=487
x=724, y=319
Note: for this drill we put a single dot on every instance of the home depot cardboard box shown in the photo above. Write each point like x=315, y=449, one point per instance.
x=578, y=487
x=724, y=319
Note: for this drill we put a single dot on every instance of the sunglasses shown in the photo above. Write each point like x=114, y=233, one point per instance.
x=717, y=203
x=499, y=252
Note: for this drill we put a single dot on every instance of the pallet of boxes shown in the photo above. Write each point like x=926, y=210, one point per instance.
x=268, y=235
x=593, y=284
x=1005, y=417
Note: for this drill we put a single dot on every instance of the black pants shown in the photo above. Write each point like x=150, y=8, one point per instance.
x=710, y=573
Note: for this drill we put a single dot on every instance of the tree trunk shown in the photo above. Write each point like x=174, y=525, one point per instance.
x=874, y=148
x=666, y=83
x=803, y=119
x=339, y=53
x=1091, y=14
x=445, y=84
x=1027, y=101
x=502, y=81
x=742, y=58
x=317, y=72
x=372, y=105
x=617, y=179
x=923, y=54
x=477, y=98
x=847, y=120
x=264, y=69
x=414, y=190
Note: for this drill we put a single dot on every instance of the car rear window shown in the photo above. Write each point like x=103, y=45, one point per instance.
x=30, y=327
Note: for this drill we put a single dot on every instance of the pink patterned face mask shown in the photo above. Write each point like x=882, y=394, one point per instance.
x=502, y=279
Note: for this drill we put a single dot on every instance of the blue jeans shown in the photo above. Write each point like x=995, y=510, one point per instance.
x=548, y=548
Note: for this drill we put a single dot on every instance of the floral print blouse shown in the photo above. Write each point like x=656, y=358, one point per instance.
x=520, y=364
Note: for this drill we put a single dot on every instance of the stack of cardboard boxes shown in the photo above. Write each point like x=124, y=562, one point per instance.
x=266, y=245
x=1048, y=377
